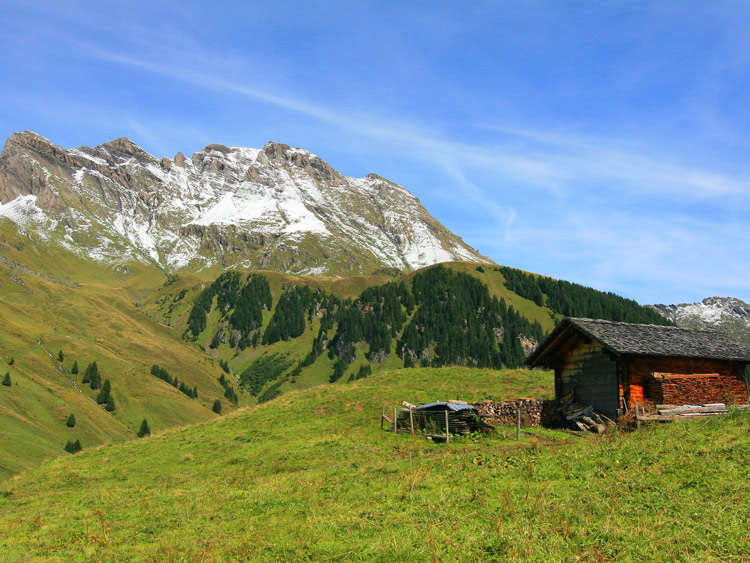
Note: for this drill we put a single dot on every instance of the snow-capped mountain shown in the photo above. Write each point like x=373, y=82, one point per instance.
x=275, y=208
x=724, y=313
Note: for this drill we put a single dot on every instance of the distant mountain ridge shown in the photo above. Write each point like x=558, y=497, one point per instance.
x=728, y=314
x=276, y=208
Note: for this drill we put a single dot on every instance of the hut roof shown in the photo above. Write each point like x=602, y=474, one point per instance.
x=647, y=340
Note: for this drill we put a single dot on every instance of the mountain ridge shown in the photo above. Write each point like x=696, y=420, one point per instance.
x=728, y=314
x=277, y=208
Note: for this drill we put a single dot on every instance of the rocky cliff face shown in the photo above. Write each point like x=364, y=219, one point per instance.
x=724, y=313
x=275, y=208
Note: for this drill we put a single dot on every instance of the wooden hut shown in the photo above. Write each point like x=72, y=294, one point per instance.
x=609, y=364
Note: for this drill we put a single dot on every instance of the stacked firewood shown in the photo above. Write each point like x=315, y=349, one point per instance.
x=584, y=417
x=506, y=412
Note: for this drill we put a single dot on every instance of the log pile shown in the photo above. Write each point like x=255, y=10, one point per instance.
x=506, y=412
x=460, y=422
x=584, y=417
x=411, y=418
x=694, y=388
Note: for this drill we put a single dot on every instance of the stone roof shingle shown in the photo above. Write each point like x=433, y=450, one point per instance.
x=652, y=340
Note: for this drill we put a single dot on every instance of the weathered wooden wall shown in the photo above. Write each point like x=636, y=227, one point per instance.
x=591, y=375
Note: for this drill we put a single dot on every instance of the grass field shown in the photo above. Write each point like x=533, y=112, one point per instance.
x=52, y=301
x=311, y=477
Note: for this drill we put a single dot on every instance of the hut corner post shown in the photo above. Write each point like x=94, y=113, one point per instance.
x=747, y=381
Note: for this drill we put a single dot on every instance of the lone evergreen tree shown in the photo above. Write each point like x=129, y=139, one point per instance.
x=144, y=430
x=231, y=394
x=103, y=396
x=6, y=379
x=71, y=422
x=73, y=447
x=94, y=376
x=74, y=369
x=217, y=406
x=60, y=356
x=11, y=361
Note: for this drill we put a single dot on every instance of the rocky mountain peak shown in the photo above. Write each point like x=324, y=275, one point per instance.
x=277, y=207
x=729, y=314
x=124, y=148
x=28, y=140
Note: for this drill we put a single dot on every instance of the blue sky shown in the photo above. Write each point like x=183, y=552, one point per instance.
x=604, y=143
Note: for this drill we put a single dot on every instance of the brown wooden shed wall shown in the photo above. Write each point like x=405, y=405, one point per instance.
x=591, y=375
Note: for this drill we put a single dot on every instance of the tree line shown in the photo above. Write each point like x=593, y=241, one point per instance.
x=575, y=300
x=164, y=375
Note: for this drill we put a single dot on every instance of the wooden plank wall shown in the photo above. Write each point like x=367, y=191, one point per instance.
x=591, y=375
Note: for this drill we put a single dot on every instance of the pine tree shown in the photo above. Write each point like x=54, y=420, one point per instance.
x=6, y=379
x=103, y=396
x=74, y=369
x=11, y=361
x=60, y=355
x=231, y=395
x=71, y=422
x=95, y=377
x=110, y=403
x=144, y=430
x=73, y=447
x=217, y=406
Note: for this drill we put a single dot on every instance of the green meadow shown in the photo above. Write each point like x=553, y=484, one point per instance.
x=310, y=476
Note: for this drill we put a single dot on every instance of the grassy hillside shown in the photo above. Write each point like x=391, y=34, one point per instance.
x=173, y=302
x=52, y=302
x=311, y=477
x=128, y=318
x=452, y=323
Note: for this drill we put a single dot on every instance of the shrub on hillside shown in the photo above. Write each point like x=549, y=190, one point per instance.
x=144, y=430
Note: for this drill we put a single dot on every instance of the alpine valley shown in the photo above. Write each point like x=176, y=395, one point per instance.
x=175, y=290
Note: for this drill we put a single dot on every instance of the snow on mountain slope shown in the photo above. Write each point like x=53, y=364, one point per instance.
x=724, y=313
x=276, y=207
